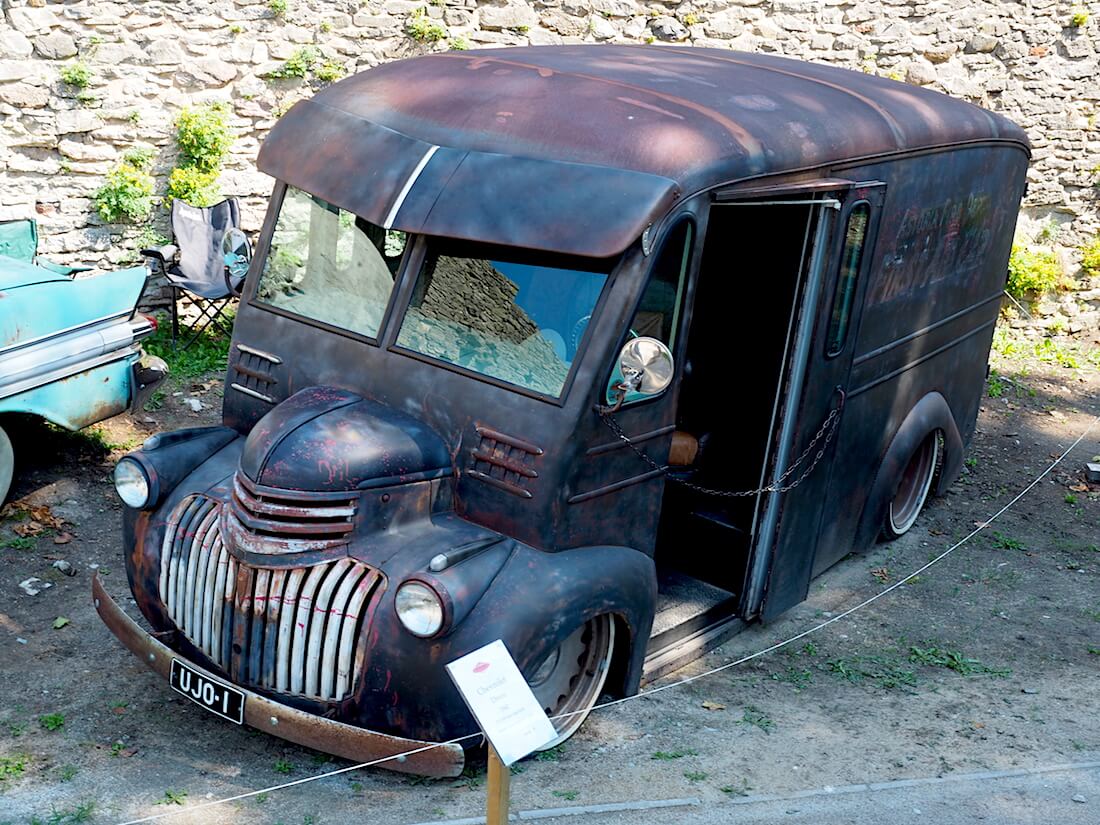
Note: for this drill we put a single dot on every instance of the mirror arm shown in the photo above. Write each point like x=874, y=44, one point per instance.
x=619, y=392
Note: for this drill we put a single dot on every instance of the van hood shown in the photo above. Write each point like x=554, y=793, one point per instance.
x=326, y=439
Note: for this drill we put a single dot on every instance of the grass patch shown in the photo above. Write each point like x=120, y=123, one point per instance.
x=12, y=766
x=554, y=754
x=953, y=660
x=209, y=352
x=283, y=766
x=67, y=816
x=878, y=670
x=52, y=721
x=172, y=797
x=799, y=678
x=756, y=718
x=569, y=796
x=667, y=756
x=19, y=543
x=696, y=776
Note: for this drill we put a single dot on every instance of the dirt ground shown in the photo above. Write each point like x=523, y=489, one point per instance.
x=988, y=661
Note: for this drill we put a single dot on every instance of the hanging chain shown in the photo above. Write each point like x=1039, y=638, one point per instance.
x=827, y=431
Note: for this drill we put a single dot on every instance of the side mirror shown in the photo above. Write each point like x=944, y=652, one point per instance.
x=646, y=365
x=236, y=252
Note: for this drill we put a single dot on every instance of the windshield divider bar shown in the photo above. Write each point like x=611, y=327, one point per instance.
x=404, y=193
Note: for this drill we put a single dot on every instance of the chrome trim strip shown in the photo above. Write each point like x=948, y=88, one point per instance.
x=404, y=193
x=67, y=371
x=259, y=353
x=62, y=332
x=253, y=393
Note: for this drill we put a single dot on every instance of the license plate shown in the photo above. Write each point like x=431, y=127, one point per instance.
x=227, y=702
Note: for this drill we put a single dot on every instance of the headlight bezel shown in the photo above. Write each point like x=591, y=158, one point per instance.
x=148, y=478
x=438, y=597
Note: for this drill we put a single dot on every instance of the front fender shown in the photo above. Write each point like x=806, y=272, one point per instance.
x=533, y=604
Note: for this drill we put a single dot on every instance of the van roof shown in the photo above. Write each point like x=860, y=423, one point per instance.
x=578, y=148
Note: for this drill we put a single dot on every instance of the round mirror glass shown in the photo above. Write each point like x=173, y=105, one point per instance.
x=236, y=252
x=646, y=365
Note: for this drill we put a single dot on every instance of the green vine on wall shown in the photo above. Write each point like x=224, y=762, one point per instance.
x=204, y=139
x=127, y=194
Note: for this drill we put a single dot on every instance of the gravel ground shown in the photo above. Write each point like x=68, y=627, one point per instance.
x=987, y=662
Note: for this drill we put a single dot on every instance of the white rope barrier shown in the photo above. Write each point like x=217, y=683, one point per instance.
x=679, y=683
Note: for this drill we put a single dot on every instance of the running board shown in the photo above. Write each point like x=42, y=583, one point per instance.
x=674, y=655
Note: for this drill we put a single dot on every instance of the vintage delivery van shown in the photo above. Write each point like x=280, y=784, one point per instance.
x=602, y=351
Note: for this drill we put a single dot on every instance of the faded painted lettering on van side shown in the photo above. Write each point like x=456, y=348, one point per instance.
x=933, y=243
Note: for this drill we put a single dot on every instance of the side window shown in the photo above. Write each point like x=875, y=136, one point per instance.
x=658, y=313
x=850, y=259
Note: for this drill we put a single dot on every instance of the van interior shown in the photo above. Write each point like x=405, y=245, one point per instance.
x=753, y=258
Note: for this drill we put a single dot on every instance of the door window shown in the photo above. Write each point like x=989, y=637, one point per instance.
x=850, y=258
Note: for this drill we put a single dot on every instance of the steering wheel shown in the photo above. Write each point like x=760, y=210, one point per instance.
x=577, y=333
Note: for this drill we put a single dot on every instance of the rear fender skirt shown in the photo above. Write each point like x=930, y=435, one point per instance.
x=929, y=414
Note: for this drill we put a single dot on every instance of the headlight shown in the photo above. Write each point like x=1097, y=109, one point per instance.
x=419, y=609
x=132, y=483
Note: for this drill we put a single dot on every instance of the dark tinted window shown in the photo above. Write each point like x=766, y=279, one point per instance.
x=658, y=313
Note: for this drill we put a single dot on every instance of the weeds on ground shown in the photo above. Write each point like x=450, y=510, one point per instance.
x=569, y=796
x=667, y=756
x=740, y=788
x=11, y=766
x=756, y=718
x=1003, y=542
x=283, y=766
x=554, y=754
x=67, y=816
x=877, y=670
x=798, y=678
x=953, y=660
x=52, y=721
x=172, y=797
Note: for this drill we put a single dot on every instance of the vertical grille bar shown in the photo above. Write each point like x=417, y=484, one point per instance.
x=292, y=630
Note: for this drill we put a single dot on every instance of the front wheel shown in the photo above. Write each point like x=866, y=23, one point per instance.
x=916, y=481
x=569, y=681
x=7, y=465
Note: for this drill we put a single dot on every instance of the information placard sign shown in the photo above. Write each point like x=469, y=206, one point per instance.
x=501, y=701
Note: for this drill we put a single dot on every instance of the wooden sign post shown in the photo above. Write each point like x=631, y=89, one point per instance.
x=500, y=778
x=509, y=714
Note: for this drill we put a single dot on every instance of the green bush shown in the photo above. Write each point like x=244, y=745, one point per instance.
x=305, y=62
x=77, y=75
x=204, y=136
x=277, y=7
x=192, y=185
x=127, y=194
x=1032, y=272
x=1090, y=258
x=423, y=29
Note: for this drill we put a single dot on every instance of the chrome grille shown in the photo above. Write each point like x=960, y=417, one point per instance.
x=269, y=520
x=293, y=630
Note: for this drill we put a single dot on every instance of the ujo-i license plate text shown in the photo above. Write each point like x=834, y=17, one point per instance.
x=223, y=700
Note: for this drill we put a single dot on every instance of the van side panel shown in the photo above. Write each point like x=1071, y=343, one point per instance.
x=932, y=300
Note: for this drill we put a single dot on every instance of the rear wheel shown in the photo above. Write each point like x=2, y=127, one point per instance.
x=571, y=678
x=7, y=464
x=916, y=481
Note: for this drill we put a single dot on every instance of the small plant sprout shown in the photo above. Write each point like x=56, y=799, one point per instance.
x=1079, y=19
x=283, y=766
x=569, y=796
x=172, y=797
x=52, y=721
x=423, y=29
x=77, y=75
x=277, y=8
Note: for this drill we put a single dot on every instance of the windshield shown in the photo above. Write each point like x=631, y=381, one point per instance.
x=329, y=265
x=516, y=317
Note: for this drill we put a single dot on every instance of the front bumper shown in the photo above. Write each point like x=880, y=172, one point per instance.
x=348, y=741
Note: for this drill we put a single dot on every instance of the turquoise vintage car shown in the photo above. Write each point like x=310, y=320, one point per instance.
x=69, y=348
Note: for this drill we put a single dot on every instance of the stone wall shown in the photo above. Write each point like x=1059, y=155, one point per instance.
x=1025, y=58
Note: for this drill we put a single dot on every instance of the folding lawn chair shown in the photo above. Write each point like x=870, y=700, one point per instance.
x=195, y=264
x=19, y=240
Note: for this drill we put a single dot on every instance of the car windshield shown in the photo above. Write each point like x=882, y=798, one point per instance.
x=329, y=265
x=517, y=317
